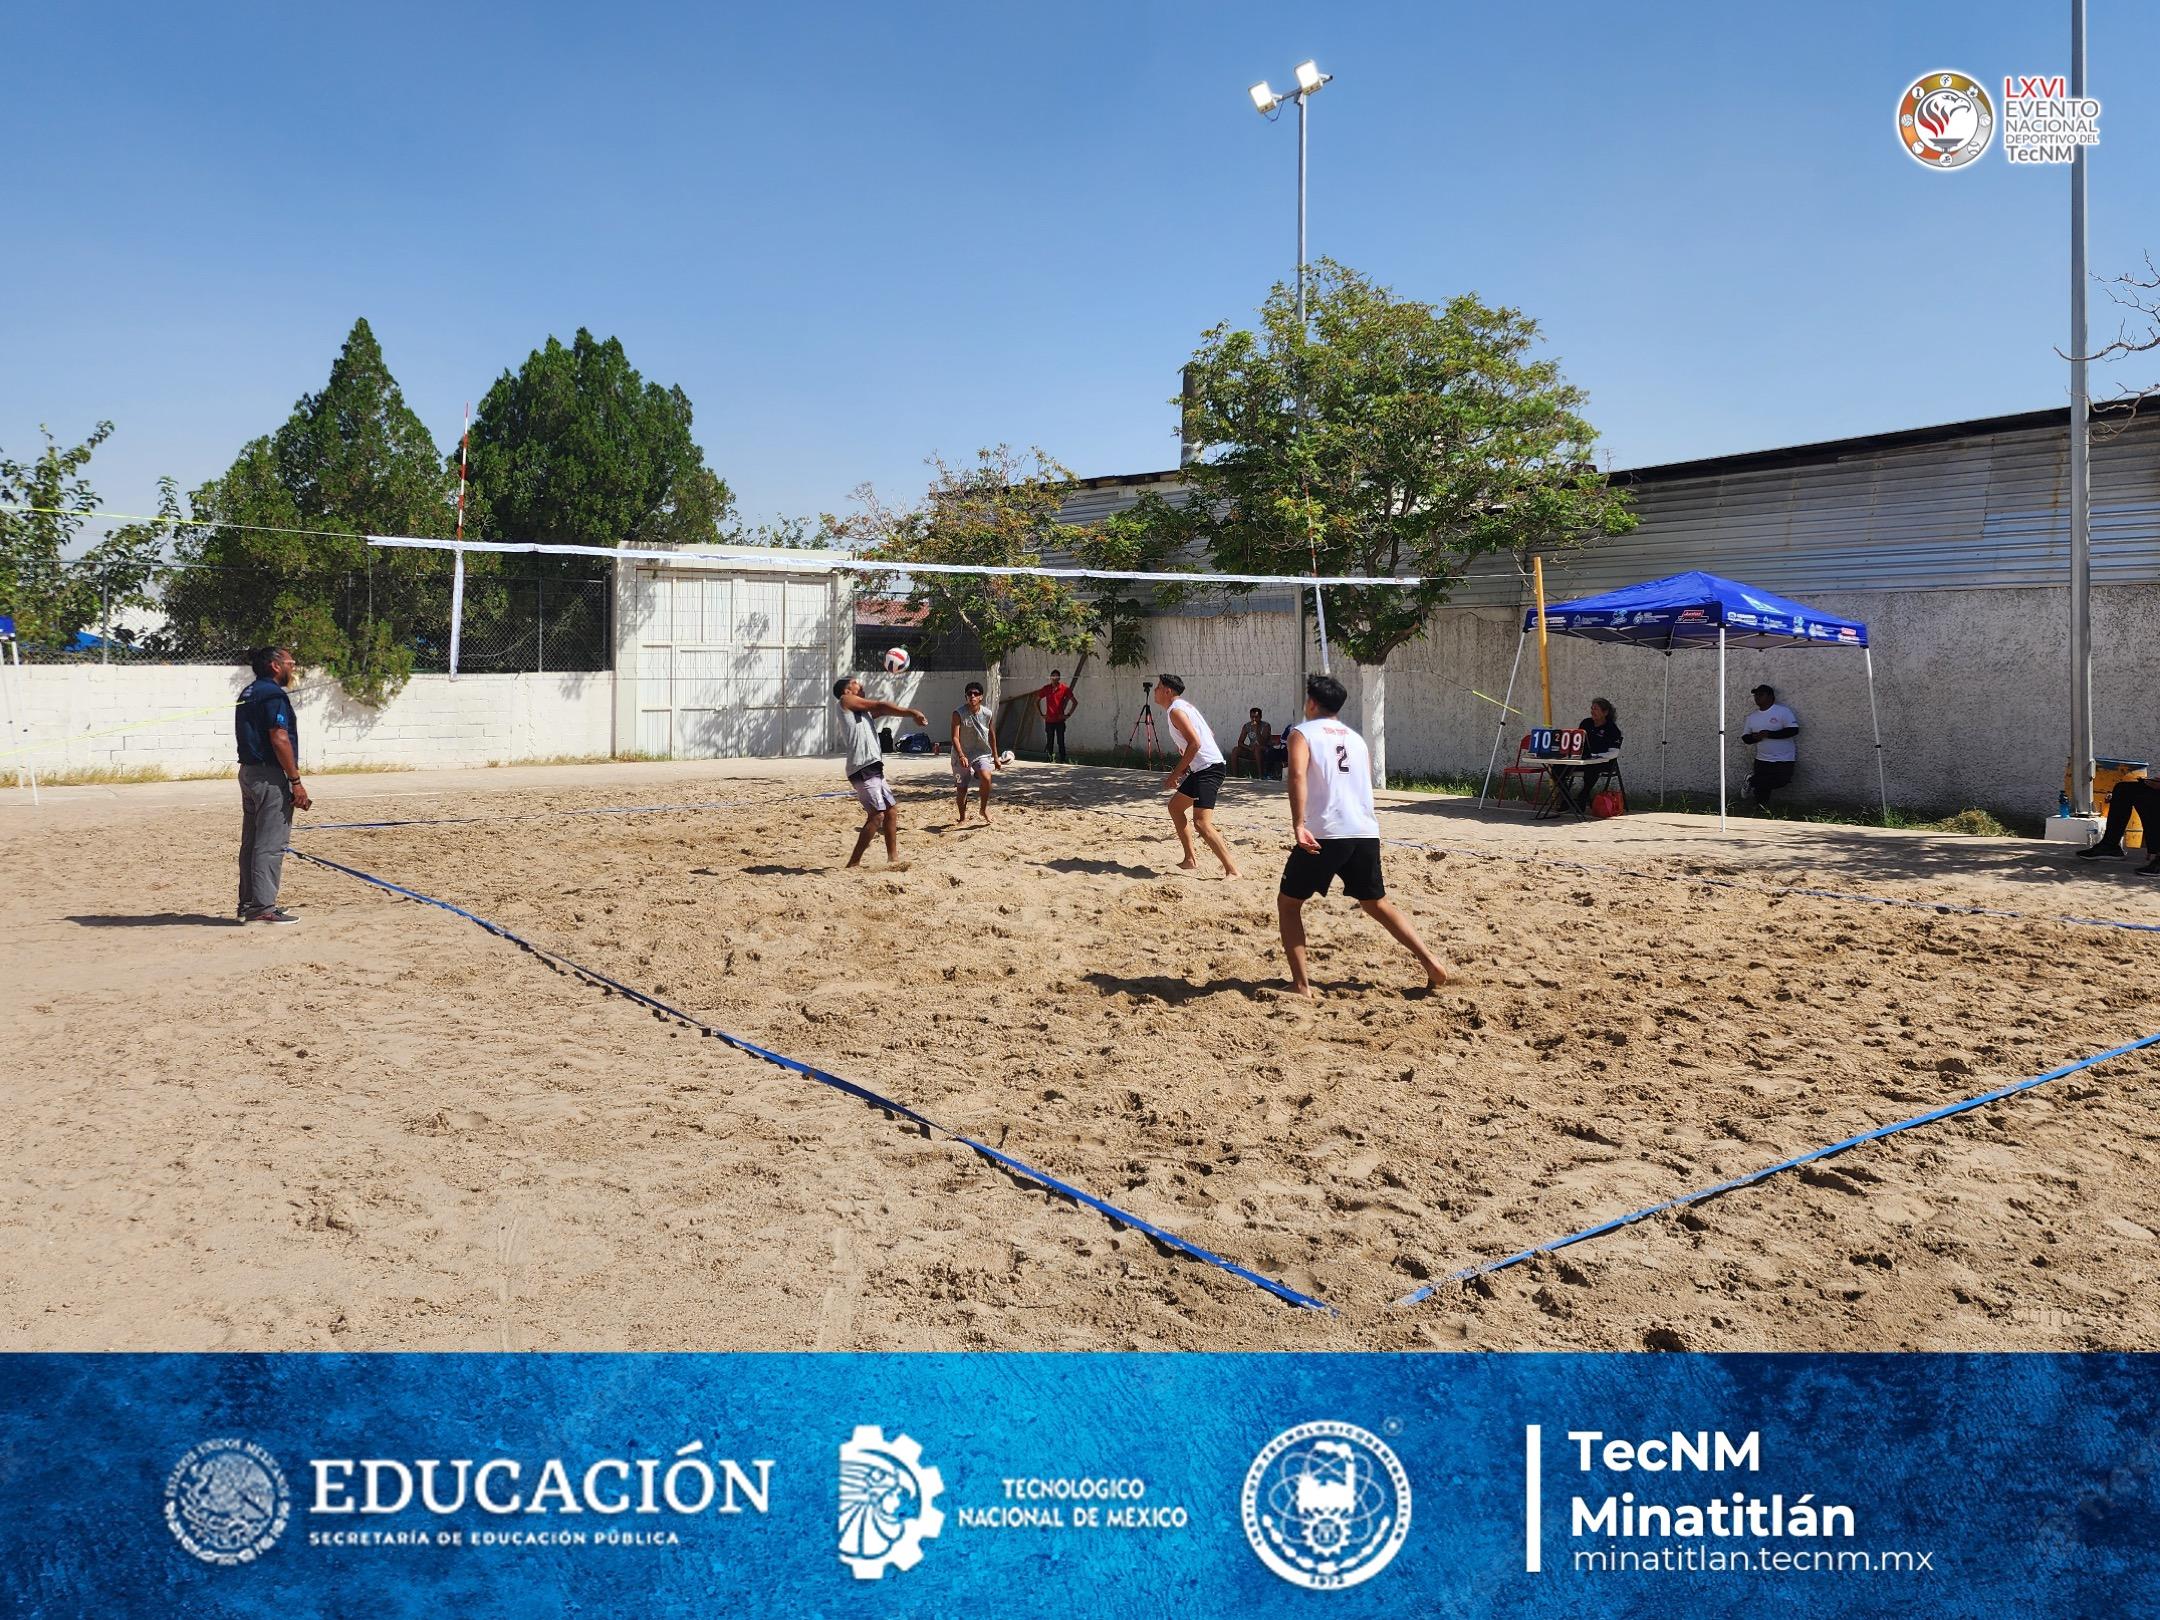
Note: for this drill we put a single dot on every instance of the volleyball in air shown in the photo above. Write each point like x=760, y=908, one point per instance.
x=896, y=660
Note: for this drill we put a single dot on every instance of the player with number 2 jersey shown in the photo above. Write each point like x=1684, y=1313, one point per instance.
x=1337, y=832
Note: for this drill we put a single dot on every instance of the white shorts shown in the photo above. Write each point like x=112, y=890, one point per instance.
x=962, y=769
x=873, y=793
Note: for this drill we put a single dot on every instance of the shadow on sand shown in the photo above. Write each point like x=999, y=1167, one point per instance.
x=1073, y=863
x=1177, y=992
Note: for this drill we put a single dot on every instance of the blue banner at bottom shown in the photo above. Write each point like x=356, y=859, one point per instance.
x=1080, y=1485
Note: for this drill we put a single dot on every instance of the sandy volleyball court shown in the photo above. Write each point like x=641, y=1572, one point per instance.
x=387, y=1129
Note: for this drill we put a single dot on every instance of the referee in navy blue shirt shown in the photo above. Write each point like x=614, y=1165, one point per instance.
x=268, y=738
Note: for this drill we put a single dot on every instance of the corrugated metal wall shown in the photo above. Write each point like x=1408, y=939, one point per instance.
x=1989, y=510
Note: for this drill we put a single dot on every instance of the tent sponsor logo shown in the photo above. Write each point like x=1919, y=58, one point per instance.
x=1945, y=119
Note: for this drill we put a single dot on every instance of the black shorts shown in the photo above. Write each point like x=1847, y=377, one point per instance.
x=1202, y=786
x=1355, y=860
x=1772, y=774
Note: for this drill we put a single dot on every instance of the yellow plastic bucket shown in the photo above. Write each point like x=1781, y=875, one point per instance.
x=2107, y=774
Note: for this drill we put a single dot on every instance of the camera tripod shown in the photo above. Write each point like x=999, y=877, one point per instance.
x=1144, y=724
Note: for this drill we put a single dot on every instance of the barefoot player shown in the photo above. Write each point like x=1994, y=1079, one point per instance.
x=866, y=765
x=974, y=751
x=1197, y=777
x=1331, y=816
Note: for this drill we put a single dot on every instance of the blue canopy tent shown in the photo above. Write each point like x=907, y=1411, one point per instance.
x=1696, y=611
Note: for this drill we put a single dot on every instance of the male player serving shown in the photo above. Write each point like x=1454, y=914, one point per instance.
x=1331, y=815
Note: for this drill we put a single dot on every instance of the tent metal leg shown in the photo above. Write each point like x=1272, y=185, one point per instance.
x=1664, y=730
x=1882, y=781
x=1721, y=728
x=1507, y=713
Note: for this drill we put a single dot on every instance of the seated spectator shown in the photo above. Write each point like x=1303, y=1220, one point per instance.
x=1601, y=731
x=2141, y=798
x=1278, y=756
x=1601, y=740
x=1254, y=738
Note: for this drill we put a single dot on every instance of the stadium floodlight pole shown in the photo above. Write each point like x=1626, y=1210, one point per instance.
x=1267, y=103
x=2081, y=736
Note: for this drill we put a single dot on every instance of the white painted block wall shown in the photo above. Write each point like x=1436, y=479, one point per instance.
x=1973, y=687
x=179, y=718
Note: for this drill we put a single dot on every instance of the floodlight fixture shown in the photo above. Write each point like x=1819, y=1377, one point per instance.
x=1264, y=100
x=1310, y=78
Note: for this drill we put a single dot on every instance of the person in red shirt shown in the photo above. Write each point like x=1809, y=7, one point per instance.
x=1055, y=702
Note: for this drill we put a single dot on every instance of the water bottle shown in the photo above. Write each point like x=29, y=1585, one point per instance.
x=2062, y=807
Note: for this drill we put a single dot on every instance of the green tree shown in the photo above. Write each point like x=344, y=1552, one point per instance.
x=791, y=534
x=575, y=448
x=1391, y=437
x=1135, y=541
x=1002, y=512
x=350, y=461
x=44, y=506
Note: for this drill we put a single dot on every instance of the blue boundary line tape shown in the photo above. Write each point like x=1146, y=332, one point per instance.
x=547, y=815
x=1017, y=1167
x=1941, y=907
x=1485, y=1267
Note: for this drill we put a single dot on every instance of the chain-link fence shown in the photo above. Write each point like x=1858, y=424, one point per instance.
x=205, y=614
x=884, y=622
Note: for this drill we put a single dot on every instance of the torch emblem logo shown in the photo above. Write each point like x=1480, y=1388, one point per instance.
x=1945, y=119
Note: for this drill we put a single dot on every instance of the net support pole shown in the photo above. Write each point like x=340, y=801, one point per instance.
x=1664, y=730
x=1506, y=710
x=1721, y=728
x=1544, y=661
x=1882, y=780
x=457, y=607
x=1320, y=613
x=10, y=677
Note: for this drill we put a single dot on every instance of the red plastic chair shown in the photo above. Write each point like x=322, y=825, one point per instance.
x=1529, y=779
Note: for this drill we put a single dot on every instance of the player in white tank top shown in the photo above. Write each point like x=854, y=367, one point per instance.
x=1337, y=833
x=1196, y=778
x=1338, y=787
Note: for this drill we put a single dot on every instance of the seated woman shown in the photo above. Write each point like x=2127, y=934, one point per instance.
x=1254, y=738
x=1601, y=741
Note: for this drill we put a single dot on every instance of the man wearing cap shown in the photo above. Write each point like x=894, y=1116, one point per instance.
x=268, y=738
x=1772, y=731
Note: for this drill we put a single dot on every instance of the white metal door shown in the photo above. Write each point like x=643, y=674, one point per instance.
x=736, y=665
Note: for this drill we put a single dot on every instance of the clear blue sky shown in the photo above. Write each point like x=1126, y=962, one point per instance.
x=859, y=233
